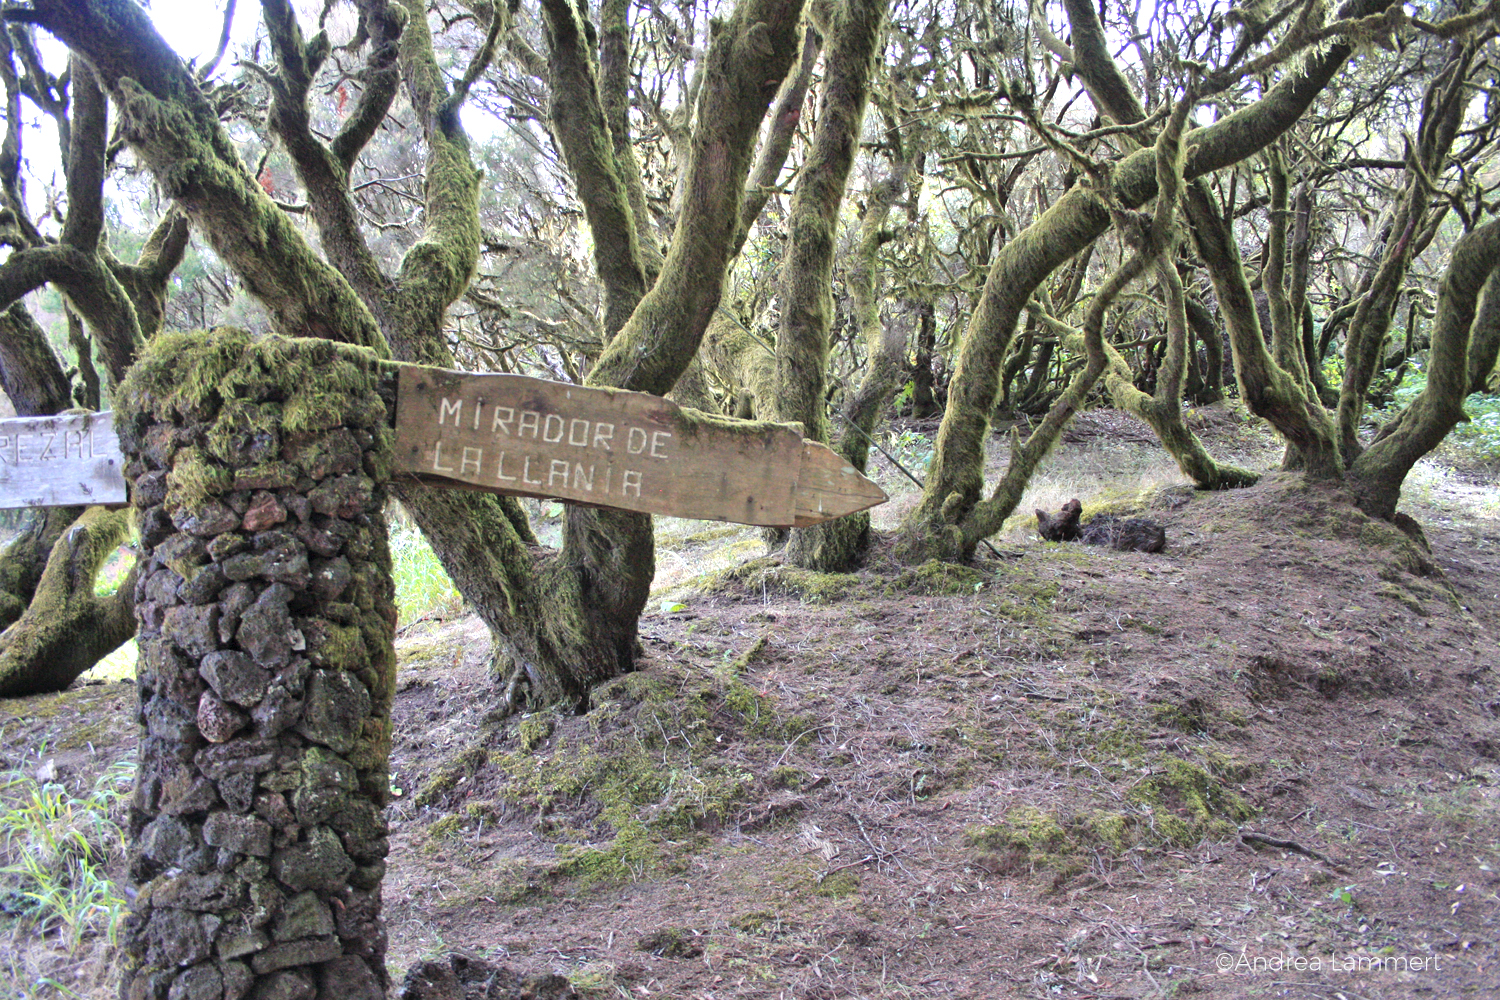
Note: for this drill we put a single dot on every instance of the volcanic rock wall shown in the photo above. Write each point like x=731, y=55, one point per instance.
x=267, y=669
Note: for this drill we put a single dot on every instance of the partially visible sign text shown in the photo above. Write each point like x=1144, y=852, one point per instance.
x=60, y=461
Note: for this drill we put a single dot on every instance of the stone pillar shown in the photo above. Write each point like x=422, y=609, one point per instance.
x=267, y=669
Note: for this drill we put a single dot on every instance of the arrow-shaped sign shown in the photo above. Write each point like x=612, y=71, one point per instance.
x=612, y=448
x=523, y=436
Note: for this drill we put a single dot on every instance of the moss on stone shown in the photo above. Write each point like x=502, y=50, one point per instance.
x=341, y=647
x=195, y=477
x=182, y=374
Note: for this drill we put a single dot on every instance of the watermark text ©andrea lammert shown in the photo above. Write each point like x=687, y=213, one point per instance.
x=1245, y=963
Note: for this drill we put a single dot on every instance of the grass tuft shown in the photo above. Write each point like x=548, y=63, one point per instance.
x=56, y=848
x=422, y=585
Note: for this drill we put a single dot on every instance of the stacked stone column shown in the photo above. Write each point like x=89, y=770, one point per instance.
x=266, y=673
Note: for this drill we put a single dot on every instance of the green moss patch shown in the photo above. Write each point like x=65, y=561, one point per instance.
x=1188, y=803
x=768, y=575
x=1178, y=805
x=937, y=577
x=626, y=791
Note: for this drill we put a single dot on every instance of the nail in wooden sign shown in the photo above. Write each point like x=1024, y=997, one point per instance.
x=610, y=448
x=60, y=461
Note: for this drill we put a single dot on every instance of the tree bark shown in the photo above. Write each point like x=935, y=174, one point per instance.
x=562, y=621
x=1153, y=239
x=172, y=126
x=840, y=545
x=33, y=378
x=923, y=401
x=56, y=627
x=806, y=282
x=1442, y=113
x=1207, y=333
x=738, y=356
x=1484, y=344
x=1267, y=389
x=592, y=154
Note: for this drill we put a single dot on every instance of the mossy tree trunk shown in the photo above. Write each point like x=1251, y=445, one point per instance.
x=1484, y=343
x=1210, y=388
x=955, y=480
x=33, y=379
x=601, y=168
x=66, y=627
x=923, y=400
x=1270, y=392
x=562, y=621
x=1161, y=409
x=1289, y=400
x=742, y=355
x=1413, y=226
x=839, y=545
x=806, y=280
x=1153, y=241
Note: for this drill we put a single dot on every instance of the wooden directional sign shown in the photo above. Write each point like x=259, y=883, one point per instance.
x=610, y=448
x=60, y=461
x=523, y=436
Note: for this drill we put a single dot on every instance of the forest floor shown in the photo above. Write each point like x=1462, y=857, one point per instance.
x=1264, y=762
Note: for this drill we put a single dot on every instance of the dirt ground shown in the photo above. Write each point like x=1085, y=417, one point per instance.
x=1262, y=763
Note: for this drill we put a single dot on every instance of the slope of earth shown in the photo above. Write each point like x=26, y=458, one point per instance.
x=1261, y=763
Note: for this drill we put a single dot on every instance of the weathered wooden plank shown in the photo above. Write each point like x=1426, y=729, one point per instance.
x=59, y=461
x=829, y=487
x=609, y=448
